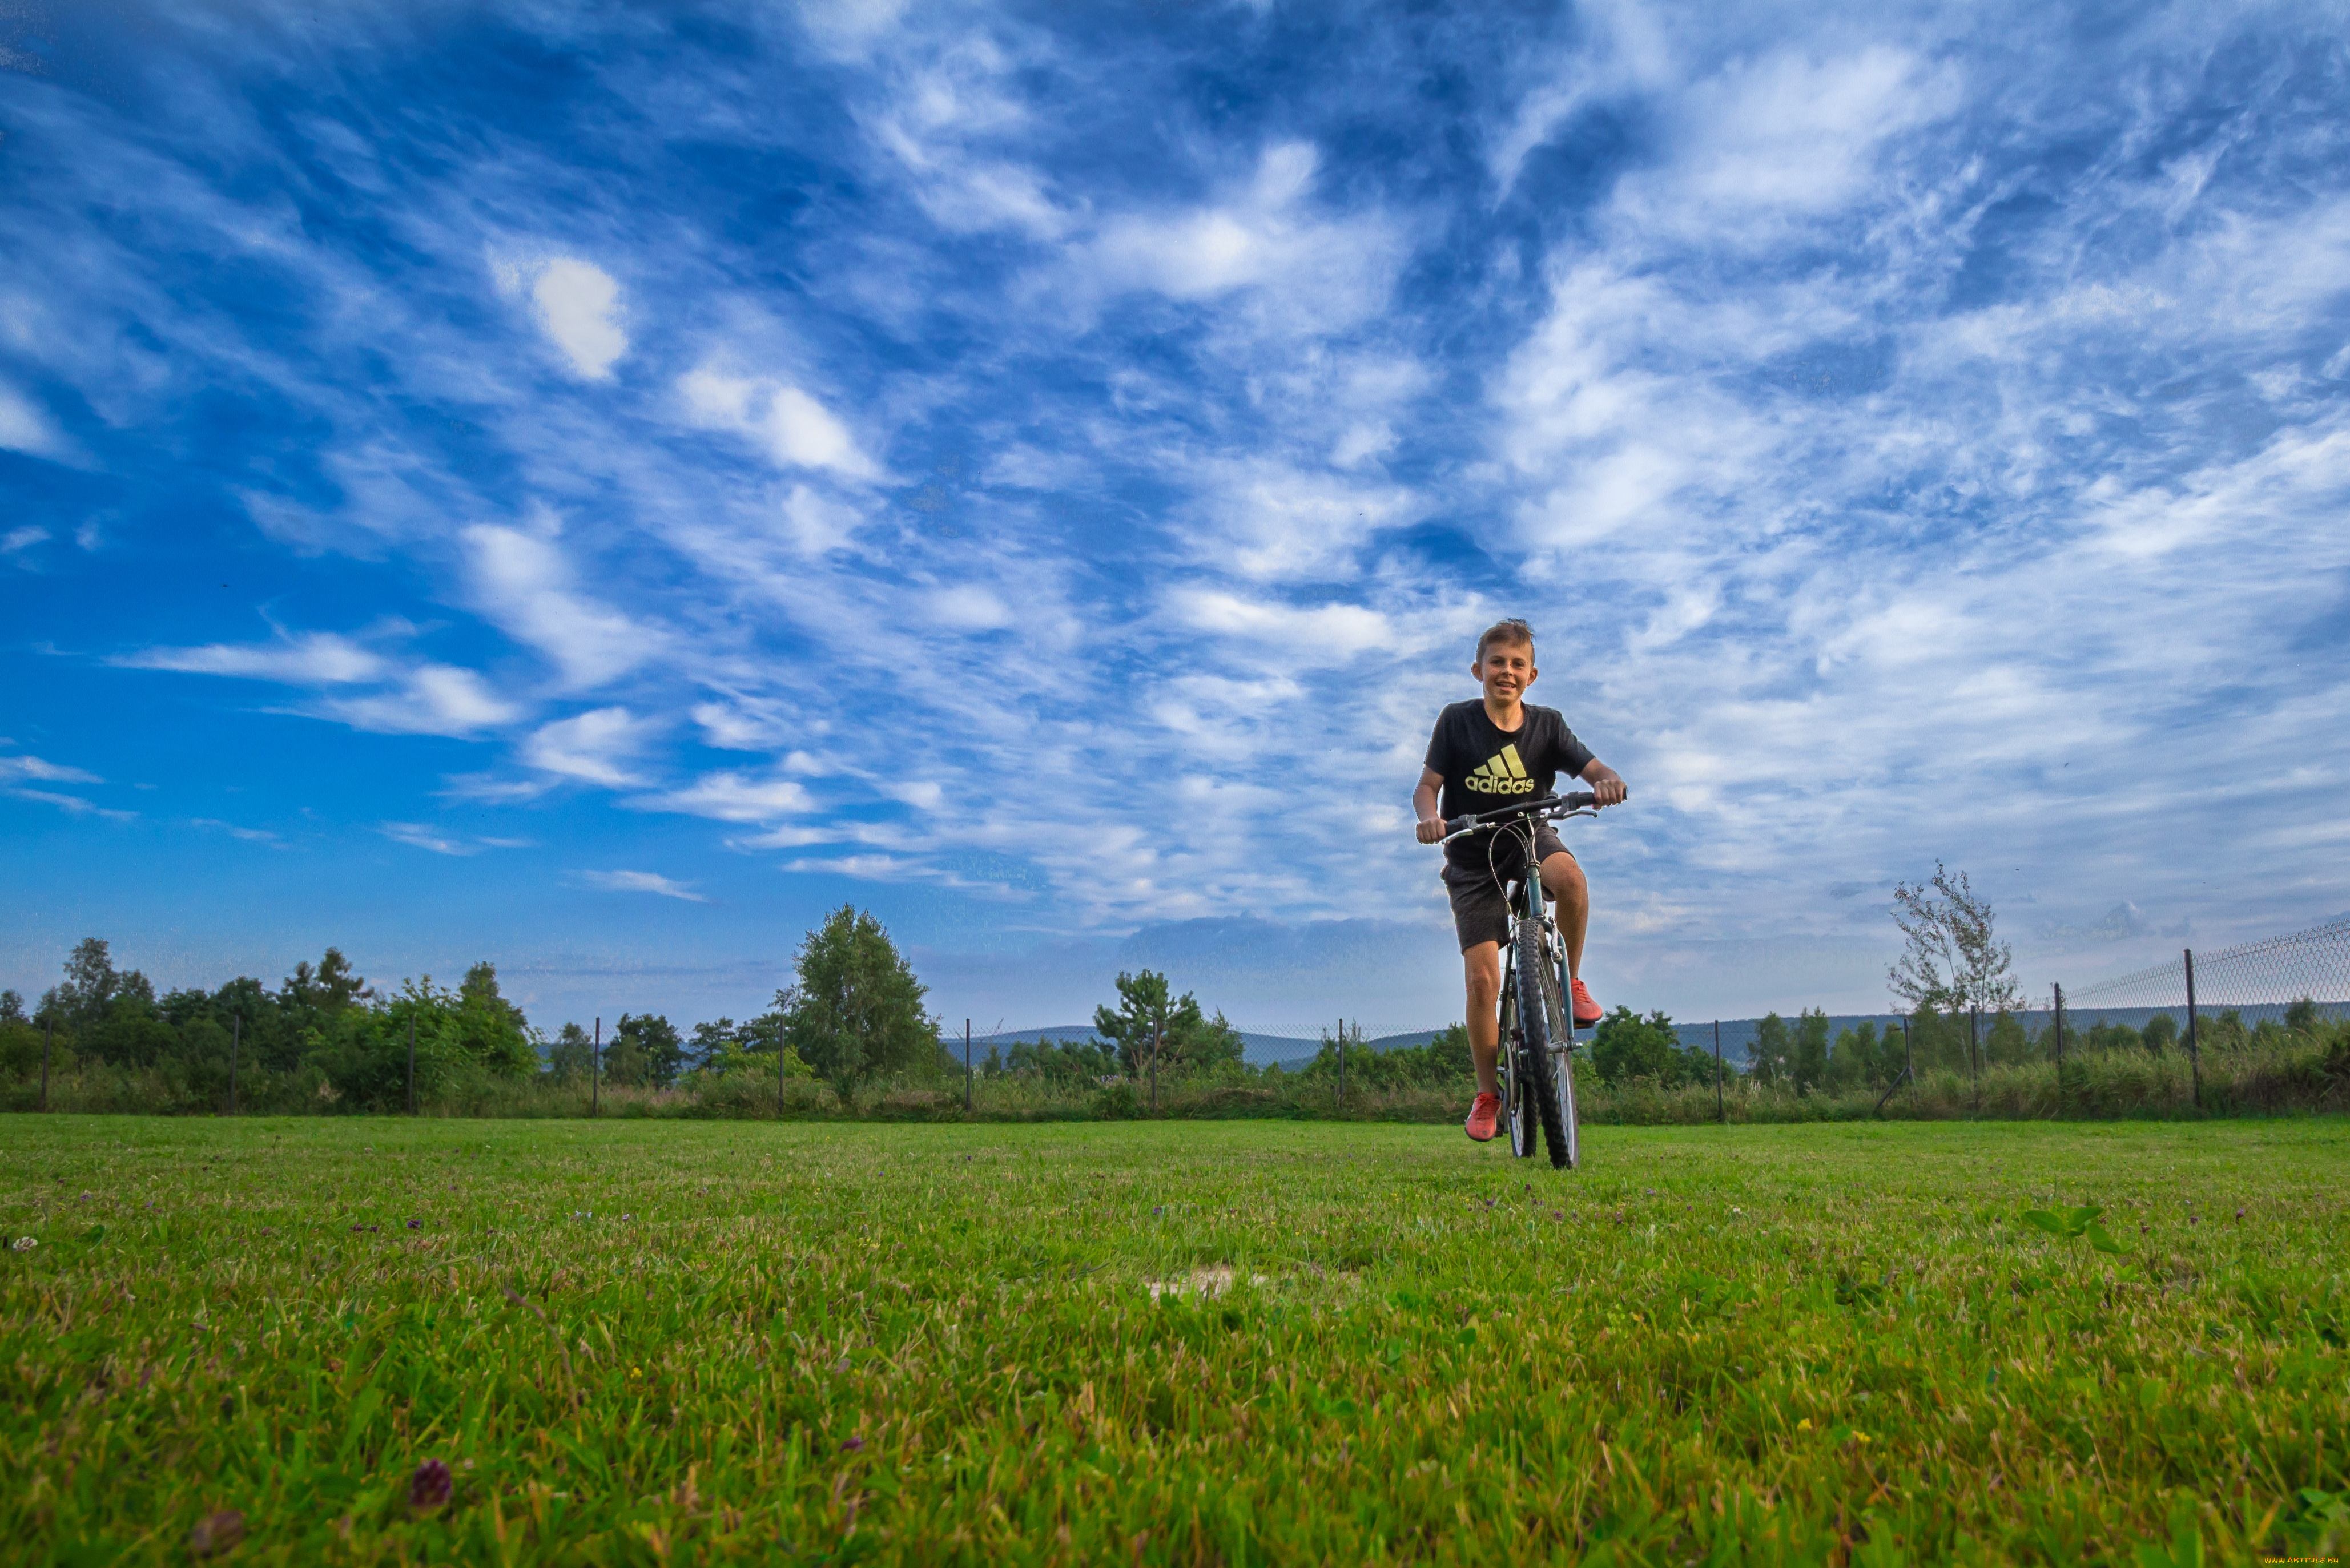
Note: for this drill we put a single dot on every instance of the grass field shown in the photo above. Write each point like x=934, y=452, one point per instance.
x=1252, y=1342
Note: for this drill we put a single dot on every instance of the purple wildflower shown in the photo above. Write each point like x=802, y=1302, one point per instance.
x=853, y=1445
x=430, y=1486
x=216, y=1532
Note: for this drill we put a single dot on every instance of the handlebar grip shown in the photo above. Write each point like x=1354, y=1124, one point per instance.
x=1461, y=824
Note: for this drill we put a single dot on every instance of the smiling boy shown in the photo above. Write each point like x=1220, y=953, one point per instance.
x=1485, y=754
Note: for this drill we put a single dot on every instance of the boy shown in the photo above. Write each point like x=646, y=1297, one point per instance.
x=1485, y=754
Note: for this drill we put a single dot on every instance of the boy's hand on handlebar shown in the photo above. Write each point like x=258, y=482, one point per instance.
x=1611, y=793
x=1430, y=829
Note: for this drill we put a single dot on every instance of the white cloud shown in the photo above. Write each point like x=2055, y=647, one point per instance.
x=1786, y=135
x=737, y=726
x=642, y=882
x=417, y=836
x=794, y=429
x=72, y=804
x=848, y=29
x=249, y=835
x=524, y=584
x=1271, y=520
x=818, y=525
x=13, y=768
x=578, y=305
x=310, y=658
x=967, y=606
x=728, y=796
x=489, y=789
x=22, y=538
x=1316, y=634
x=1319, y=273
x=25, y=427
x=415, y=698
x=430, y=700
x=595, y=747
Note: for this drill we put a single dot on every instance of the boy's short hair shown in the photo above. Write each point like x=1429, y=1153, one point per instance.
x=1512, y=630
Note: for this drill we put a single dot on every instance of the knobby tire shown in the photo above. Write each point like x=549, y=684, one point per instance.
x=1517, y=1093
x=1558, y=1094
x=1534, y=1023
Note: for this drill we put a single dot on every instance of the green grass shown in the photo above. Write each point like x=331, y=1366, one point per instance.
x=835, y=1341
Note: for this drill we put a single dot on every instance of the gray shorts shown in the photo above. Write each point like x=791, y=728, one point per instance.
x=1481, y=904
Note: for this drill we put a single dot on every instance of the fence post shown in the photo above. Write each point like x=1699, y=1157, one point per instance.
x=2194, y=1057
x=412, y=1064
x=595, y=1072
x=966, y=1066
x=1340, y=1101
x=1721, y=1114
x=1158, y=1038
x=781, y=1046
x=1908, y=1057
x=2060, y=1051
x=235, y=1031
x=1974, y=1045
x=49, y=1035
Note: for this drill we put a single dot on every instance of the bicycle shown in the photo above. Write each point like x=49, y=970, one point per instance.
x=1537, y=1039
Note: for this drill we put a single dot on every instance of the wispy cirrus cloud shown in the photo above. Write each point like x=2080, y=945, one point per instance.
x=597, y=747
x=642, y=882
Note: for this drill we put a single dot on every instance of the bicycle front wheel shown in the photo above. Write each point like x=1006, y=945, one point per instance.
x=1547, y=1037
x=1518, y=1095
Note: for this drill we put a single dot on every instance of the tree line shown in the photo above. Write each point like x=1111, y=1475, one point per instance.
x=326, y=1037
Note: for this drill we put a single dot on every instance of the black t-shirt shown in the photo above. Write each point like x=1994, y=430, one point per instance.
x=1486, y=768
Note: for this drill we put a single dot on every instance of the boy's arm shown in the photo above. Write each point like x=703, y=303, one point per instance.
x=1423, y=806
x=1606, y=783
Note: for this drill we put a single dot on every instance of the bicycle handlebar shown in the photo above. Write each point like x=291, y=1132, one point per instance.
x=1582, y=800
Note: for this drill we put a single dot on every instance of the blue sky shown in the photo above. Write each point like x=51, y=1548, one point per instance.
x=595, y=487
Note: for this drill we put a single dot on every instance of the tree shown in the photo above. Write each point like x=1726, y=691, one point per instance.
x=91, y=987
x=1855, y=1061
x=1627, y=1046
x=311, y=998
x=644, y=1050
x=12, y=1007
x=712, y=1042
x=570, y=1059
x=854, y=1010
x=492, y=1030
x=1810, y=1068
x=1147, y=1019
x=1953, y=960
x=2160, y=1033
x=1773, y=1052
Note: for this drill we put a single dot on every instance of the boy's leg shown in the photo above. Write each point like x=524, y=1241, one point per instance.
x=1482, y=967
x=1571, y=897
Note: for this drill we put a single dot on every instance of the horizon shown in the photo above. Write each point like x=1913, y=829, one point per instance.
x=595, y=492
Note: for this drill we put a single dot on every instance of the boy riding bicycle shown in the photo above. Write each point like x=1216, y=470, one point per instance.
x=1487, y=753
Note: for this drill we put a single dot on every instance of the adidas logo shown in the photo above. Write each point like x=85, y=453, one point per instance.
x=1501, y=773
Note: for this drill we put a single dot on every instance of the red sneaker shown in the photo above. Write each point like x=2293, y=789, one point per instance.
x=1586, y=1011
x=1484, y=1114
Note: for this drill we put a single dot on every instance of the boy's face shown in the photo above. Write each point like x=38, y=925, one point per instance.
x=1507, y=670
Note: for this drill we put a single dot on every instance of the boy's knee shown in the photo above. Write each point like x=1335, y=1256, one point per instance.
x=1564, y=877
